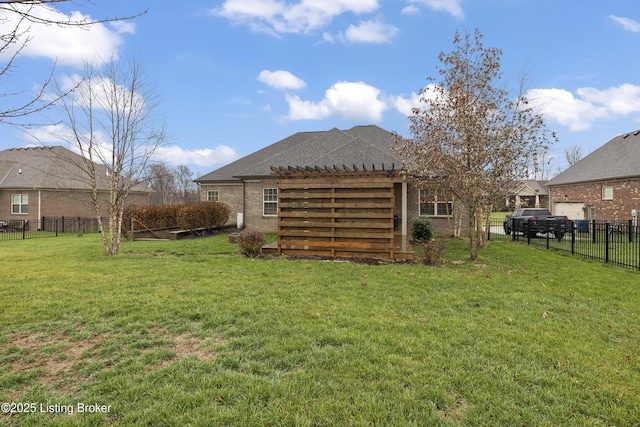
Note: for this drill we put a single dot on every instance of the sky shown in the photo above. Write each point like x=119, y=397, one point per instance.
x=234, y=76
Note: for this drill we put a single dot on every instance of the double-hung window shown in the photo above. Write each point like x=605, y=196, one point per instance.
x=20, y=204
x=213, y=196
x=270, y=202
x=435, y=204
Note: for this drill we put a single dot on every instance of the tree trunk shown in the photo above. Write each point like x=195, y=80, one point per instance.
x=473, y=234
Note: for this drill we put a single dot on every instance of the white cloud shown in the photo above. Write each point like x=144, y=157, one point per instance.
x=588, y=105
x=370, y=32
x=347, y=100
x=204, y=157
x=278, y=17
x=627, y=23
x=61, y=135
x=450, y=6
x=281, y=80
x=68, y=45
x=102, y=92
x=410, y=10
x=405, y=105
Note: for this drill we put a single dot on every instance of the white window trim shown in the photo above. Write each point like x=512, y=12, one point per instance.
x=21, y=205
x=211, y=192
x=607, y=189
x=422, y=194
x=266, y=202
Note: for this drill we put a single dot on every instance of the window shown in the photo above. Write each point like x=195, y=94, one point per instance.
x=435, y=204
x=607, y=193
x=270, y=202
x=19, y=203
x=213, y=195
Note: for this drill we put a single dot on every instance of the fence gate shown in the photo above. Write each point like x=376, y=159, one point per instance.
x=336, y=212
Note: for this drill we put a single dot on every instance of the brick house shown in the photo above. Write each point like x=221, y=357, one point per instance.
x=603, y=185
x=38, y=182
x=250, y=187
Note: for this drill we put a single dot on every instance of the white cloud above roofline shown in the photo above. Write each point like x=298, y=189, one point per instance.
x=580, y=110
x=69, y=46
x=345, y=100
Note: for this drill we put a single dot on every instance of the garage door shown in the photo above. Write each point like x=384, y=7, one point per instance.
x=571, y=210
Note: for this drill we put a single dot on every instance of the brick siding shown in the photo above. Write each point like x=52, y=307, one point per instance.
x=54, y=203
x=626, y=196
x=231, y=194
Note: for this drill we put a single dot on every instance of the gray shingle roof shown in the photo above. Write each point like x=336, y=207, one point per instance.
x=47, y=168
x=618, y=158
x=368, y=145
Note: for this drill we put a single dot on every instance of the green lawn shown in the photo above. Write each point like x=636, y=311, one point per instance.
x=189, y=333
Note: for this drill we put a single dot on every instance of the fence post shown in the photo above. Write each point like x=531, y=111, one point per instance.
x=593, y=231
x=606, y=241
x=572, y=224
x=547, y=231
x=630, y=230
x=513, y=229
x=56, y=227
x=24, y=229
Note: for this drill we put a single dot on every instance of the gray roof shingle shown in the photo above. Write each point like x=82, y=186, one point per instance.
x=618, y=158
x=368, y=145
x=48, y=168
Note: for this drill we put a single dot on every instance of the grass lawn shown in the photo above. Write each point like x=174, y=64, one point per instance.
x=189, y=333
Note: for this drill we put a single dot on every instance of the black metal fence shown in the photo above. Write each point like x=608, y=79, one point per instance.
x=615, y=242
x=19, y=229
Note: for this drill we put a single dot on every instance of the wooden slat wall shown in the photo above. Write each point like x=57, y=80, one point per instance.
x=346, y=216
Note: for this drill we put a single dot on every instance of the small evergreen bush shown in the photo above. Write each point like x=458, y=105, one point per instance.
x=250, y=242
x=422, y=229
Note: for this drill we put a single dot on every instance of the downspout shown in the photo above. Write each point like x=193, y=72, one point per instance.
x=244, y=202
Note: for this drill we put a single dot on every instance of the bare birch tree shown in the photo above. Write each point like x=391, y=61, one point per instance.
x=110, y=119
x=17, y=18
x=470, y=137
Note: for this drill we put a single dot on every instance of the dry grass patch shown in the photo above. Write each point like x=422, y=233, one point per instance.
x=51, y=358
x=50, y=355
x=188, y=345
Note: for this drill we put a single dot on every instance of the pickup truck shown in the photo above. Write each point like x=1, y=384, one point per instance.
x=533, y=221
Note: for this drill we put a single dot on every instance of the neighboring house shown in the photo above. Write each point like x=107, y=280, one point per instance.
x=38, y=182
x=250, y=185
x=529, y=193
x=603, y=185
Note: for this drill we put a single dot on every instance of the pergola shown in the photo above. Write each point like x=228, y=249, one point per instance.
x=341, y=211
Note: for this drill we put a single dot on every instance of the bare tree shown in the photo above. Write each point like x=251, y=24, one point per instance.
x=471, y=138
x=15, y=36
x=161, y=179
x=111, y=120
x=187, y=189
x=573, y=154
x=171, y=185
